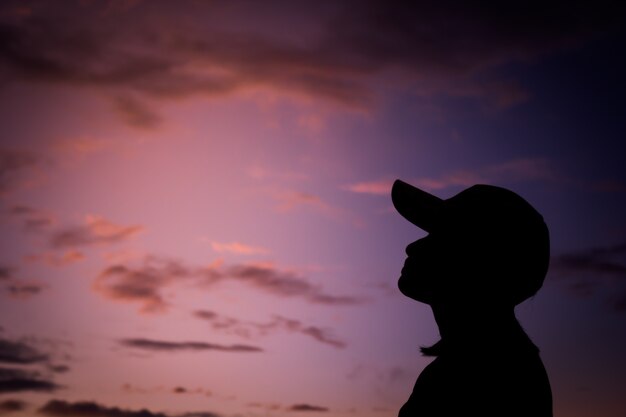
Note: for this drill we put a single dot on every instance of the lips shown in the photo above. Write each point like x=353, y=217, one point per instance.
x=408, y=265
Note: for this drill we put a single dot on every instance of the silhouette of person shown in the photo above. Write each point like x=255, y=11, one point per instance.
x=486, y=251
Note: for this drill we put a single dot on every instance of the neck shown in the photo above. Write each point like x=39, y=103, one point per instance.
x=460, y=322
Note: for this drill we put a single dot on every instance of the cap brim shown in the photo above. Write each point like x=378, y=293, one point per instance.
x=417, y=206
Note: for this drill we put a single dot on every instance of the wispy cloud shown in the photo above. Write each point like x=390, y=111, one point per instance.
x=20, y=353
x=308, y=407
x=136, y=113
x=238, y=248
x=249, y=329
x=23, y=290
x=15, y=287
x=168, y=346
x=96, y=230
x=14, y=163
x=144, y=284
x=589, y=271
x=32, y=219
x=11, y=405
x=378, y=187
x=6, y=272
x=65, y=258
x=20, y=380
x=81, y=146
x=517, y=170
x=92, y=409
x=295, y=200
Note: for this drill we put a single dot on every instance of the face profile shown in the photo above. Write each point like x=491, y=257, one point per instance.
x=487, y=250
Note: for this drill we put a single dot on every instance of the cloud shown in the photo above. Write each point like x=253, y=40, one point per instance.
x=587, y=272
x=238, y=248
x=20, y=353
x=68, y=257
x=11, y=405
x=13, y=164
x=23, y=290
x=81, y=145
x=94, y=409
x=280, y=282
x=166, y=346
x=291, y=200
x=278, y=323
x=133, y=389
x=379, y=187
x=91, y=409
x=307, y=407
x=23, y=353
x=15, y=287
x=333, y=53
x=144, y=284
x=517, y=170
x=136, y=113
x=6, y=272
x=19, y=380
x=32, y=219
x=96, y=230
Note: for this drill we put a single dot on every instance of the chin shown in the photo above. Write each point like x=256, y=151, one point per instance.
x=407, y=289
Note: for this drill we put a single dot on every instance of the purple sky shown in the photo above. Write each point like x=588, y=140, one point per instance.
x=194, y=197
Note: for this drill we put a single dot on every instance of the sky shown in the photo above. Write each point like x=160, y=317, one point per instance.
x=195, y=197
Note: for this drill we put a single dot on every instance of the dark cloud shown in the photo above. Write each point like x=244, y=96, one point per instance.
x=17, y=288
x=13, y=164
x=278, y=323
x=307, y=407
x=96, y=230
x=136, y=113
x=12, y=405
x=17, y=352
x=144, y=284
x=6, y=272
x=19, y=380
x=92, y=409
x=59, y=369
x=329, y=51
x=200, y=414
x=166, y=346
x=598, y=261
x=32, y=219
x=21, y=290
x=28, y=352
x=593, y=270
x=284, y=283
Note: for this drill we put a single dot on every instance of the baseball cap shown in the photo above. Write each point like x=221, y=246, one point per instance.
x=505, y=233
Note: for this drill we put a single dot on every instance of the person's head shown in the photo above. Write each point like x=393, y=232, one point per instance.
x=484, y=244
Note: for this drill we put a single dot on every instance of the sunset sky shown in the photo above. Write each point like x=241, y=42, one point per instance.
x=195, y=197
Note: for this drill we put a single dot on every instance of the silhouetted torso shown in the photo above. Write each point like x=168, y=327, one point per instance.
x=502, y=375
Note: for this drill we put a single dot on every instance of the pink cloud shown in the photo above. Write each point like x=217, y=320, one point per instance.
x=146, y=283
x=96, y=230
x=380, y=187
x=238, y=248
x=66, y=258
